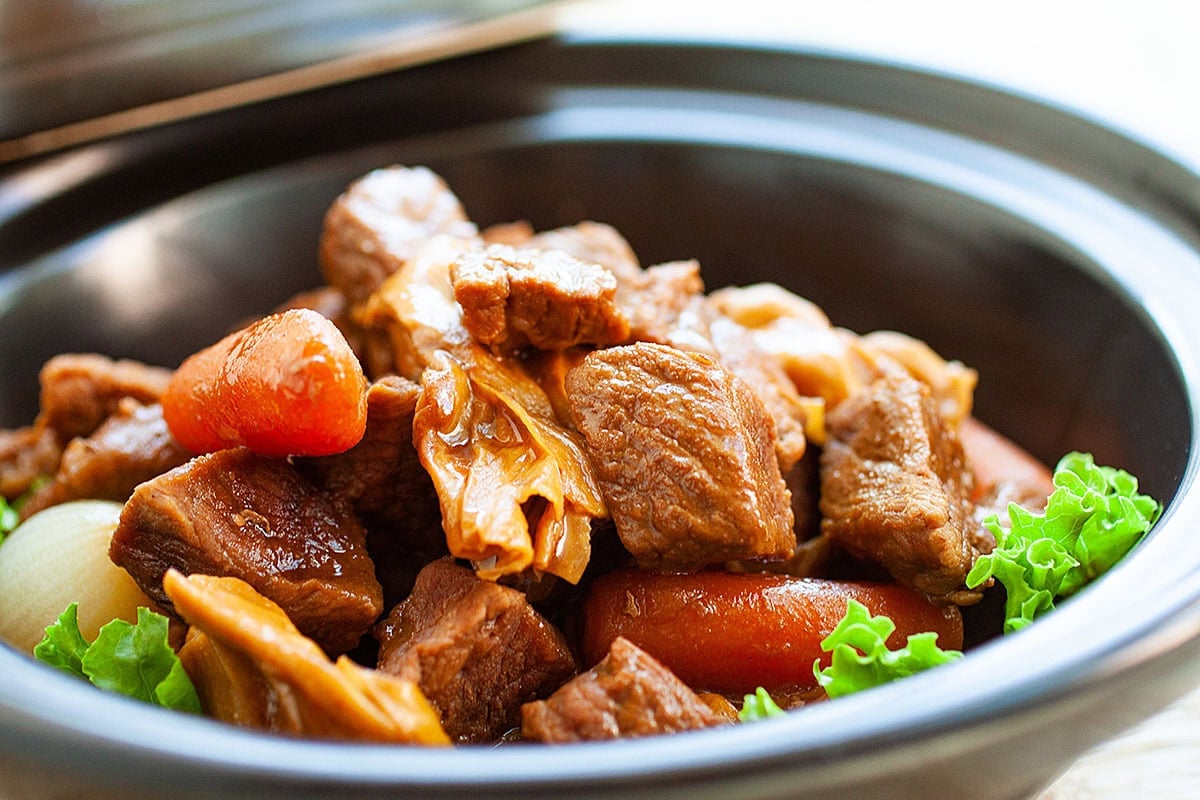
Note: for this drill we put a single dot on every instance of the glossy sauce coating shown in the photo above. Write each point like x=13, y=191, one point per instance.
x=731, y=633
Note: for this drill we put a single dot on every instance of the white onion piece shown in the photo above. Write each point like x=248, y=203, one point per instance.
x=57, y=557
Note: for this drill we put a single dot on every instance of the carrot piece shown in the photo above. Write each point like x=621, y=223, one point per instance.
x=996, y=459
x=288, y=384
x=731, y=633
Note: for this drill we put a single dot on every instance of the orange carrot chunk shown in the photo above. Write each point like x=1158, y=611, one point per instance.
x=731, y=633
x=996, y=459
x=288, y=384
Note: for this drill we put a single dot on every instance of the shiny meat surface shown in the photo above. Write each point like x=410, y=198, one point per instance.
x=740, y=354
x=594, y=243
x=627, y=694
x=895, y=488
x=477, y=649
x=236, y=514
x=380, y=222
x=656, y=298
x=27, y=454
x=81, y=391
x=383, y=480
x=131, y=446
x=513, y=298
x=685, y=456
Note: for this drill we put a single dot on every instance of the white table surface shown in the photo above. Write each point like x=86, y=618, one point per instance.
x=1133, y=64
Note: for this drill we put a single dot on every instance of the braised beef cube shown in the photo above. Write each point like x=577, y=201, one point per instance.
x=328, y=301
x=383, y=480
x=236, y=514
x=804, y=484
x=26, y=455
x=477, y=649
x=658, y=300
x=740, y=354
x=685, y=456
x=513, y=298
x=628, y=694
x=593, y=242
x=895, y=488
x=380, y=222
x=81, y=391
x=514, y=234
x=131, y=446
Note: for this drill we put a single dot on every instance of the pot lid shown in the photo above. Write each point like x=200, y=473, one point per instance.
x=74, y=70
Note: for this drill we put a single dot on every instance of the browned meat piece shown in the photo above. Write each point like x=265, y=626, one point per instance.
x=804, y=484
x=514, y=234
x=383, y=480
x=236, y=514
x=380, y=222
x=131, y=446
x=513, y=298
x=656, y=298
x=685, y=456
x=26, y=454
x=478, y=650
x=327, y=301
x=81, y=391
x=627, y=694
x=895, y=488
x=741, y=355
x=594, y=243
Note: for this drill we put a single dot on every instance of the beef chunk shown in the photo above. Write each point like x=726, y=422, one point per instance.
x=657, y=298
x=236, y=514
x=741, y=355
x=685, y=456
x=383, y=480
x=513, y=298
x=131, y=446
x=81, y=391
x=327, y=301
x=593, y=243
x=380, y=222
x=627, y=694
x=478, y=650
x=895, y=488
x=27, y=454
x=514, y=234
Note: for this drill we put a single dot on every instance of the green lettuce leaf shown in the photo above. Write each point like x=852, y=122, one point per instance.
x=10, y=513
x=861, y=658
x=63, y=646
x=1092, y=519
x=9, y=518
x=134, y=660
x=759, y=706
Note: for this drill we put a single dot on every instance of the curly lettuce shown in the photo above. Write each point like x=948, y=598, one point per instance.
x=1094, y=516
x=759, y=706
x=861, y=658
x=10, y=518
x=134, y=660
